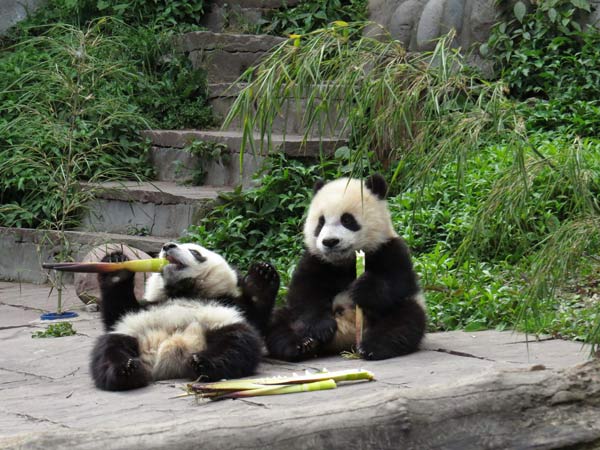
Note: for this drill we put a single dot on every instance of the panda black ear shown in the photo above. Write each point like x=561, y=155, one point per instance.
x=377, y=185
x=318, y=185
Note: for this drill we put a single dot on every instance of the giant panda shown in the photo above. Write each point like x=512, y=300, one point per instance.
x=346, y=215
x=199, y=320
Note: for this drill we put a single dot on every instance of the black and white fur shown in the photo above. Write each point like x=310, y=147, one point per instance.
x=346, y=215
x=199, y=320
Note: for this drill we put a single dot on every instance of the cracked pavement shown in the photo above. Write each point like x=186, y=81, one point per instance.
x=45, y=386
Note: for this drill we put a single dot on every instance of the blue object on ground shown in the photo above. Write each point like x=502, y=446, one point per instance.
x=56, y=316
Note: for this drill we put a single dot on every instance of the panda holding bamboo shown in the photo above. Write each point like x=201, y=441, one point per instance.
x=344, y=216
x=200, y=320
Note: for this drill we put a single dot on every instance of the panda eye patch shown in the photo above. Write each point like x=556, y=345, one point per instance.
x=196, y=254
x=350, y=222
x=320, y=225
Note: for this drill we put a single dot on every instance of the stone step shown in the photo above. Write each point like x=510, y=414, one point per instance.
x=225, y=56
x=153, y=208
x=173, y=163
x=24, y=250
x=290, y=120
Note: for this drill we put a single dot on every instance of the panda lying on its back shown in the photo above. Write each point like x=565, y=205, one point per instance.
x=346, y=215
x=200, y=320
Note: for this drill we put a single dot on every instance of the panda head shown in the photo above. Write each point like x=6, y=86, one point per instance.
x=193, y=272
x=346, y=215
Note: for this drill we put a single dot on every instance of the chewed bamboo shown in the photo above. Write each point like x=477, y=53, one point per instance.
x=140, y=265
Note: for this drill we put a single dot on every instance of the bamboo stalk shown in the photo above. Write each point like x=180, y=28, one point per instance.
x=257, y=383
x=140, y=265
x=279, y=390
x=360, y=269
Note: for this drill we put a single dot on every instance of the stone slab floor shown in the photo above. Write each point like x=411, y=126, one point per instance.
x=47, y=399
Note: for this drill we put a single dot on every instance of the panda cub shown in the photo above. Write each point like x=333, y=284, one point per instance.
x=200, y=319
x=346, y=215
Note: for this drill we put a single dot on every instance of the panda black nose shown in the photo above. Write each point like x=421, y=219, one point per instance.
x=330, y=243
x=168, y=246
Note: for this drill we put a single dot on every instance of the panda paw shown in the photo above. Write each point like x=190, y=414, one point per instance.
x=262, y=282
x=113, y=278
x=202, y=367
x=130, y=367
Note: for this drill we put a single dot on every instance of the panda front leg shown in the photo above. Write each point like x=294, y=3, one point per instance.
x=232, y=351
x=116, y=365
x=259, y=291
x=117, y=296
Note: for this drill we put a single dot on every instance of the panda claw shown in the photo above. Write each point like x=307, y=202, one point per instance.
x=307, y=344
x=129, y=367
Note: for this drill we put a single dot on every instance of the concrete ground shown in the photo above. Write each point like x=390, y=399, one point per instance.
x=47, y=399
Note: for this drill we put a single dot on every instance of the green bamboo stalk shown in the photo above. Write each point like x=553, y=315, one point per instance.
x=360, y=269
x=279, y=390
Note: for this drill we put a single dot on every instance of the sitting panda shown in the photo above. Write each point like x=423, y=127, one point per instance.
x=200, y=320
x=346, y=215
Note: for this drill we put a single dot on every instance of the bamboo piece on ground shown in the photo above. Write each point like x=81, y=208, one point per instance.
x=139, y=265
x=276, y=385
x=279, y=390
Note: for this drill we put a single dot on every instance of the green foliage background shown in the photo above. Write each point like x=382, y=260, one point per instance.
x=495, y=183
x=74, y=95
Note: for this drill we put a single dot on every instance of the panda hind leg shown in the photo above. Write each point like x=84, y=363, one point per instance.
x=116, y=363
x=232, y=351
x=260, y=287
x=396, y=335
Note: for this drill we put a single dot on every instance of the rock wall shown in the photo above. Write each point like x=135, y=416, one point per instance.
x=12, y=11
x=418, y=23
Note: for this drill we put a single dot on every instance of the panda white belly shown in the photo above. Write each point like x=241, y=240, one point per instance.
x=169, y=333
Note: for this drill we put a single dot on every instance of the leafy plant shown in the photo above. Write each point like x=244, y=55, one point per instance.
x=308, y=15
x=59, y=329
x=263, y=223
x=205, y=153
x=545, y=54
x=161, y=12
x=173, y=95
x=65, y=121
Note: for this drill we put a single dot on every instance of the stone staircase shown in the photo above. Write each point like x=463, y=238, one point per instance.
x=145, y=215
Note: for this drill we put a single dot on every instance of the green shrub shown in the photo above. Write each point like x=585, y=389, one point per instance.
x=545, y=55
x=264, y=223
x=72, y=102
x=66, y=117
x=308, y=15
